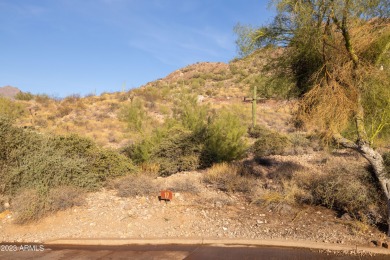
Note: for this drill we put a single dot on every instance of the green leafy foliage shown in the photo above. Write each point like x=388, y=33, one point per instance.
x=179, y=151
x=191, y=140
x=173, y=148
x=269, y=142
x=133, y=114
x=191, y=115
x=224, y=138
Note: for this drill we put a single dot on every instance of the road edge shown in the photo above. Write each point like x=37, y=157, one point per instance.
x=221, y=243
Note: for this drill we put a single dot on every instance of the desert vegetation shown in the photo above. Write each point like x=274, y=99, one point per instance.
x=53, y=150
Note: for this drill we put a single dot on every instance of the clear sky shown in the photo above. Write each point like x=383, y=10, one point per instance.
x=63, y=47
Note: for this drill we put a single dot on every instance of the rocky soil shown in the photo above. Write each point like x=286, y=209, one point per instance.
x=204, y=214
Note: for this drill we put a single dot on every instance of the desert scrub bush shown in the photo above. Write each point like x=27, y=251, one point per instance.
x=27, y=96
x=289, y=192
x=348, y=191
x=191, y=141
x=285, y=171
x=102, y=163
x=42, y=99
x=135, y=185
x=32, y=160
x=63, y=110
x=224, y=140
x=172, y=148
x=190, y=114
x=11, y=109
x=178, y=151
x=269, y=143
x=33, y=204
x=256, y=131
x=72, y=98
x=187, y=184
x=299, y=142
x=133, y=114
x=226, y=177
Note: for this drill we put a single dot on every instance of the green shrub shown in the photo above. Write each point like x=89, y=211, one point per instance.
x=15, y=143
x=133, y=114
x=37, y=161
x=269, y=143
x=24, y=96
x=46, y=168
x=191, y=115
x=178, y=151
x=173, y=148
x=191, y=141
x=224, y=139
x=11, y=109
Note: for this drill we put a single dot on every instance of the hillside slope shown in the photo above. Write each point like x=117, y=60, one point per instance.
x=98, y=117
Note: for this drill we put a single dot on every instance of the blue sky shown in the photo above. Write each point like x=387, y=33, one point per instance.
x=63, y=47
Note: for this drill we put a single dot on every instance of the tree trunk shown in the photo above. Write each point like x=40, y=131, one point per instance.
x=377, y=163
x=378, y=166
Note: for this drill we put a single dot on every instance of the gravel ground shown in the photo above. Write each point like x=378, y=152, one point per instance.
x=206, y=214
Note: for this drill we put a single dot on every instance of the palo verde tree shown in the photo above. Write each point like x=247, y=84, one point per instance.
x=337, y=53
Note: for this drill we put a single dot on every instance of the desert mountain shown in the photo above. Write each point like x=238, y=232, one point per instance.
x=9, y=91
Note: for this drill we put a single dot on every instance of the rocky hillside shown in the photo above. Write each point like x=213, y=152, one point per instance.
x=99, y=117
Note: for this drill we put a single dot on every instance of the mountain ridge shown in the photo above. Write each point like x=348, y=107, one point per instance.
x=9, y=91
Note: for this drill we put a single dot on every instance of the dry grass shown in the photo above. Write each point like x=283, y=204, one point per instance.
x=135, y=185
x=186, y=183
x=226, y=177
x=32, y=205
x=288, y=193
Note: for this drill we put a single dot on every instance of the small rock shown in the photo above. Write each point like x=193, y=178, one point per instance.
x=385, y=245
x=224, y=228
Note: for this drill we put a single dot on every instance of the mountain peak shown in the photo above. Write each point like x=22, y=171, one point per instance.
x=9, y=91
